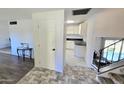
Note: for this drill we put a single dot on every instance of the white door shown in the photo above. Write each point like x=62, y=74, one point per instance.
x=51, y=47
x=49, y=39
x=47, y=31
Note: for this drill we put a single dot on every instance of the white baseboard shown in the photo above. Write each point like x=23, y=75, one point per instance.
x=4, y=45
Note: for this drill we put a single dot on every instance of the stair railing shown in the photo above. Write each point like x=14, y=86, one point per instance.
x=101, y=51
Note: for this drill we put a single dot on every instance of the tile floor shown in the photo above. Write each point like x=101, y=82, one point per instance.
x=71, y=75
x=72, y=60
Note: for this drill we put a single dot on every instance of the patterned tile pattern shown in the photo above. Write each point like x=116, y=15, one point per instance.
x=71, y=75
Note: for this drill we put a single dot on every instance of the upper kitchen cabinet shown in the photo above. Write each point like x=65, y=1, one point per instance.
x=83, y=30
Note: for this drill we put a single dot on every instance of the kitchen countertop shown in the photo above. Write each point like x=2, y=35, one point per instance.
x=80, y=43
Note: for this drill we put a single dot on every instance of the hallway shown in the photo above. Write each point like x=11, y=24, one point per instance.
x=13, y=69
x=72, y=60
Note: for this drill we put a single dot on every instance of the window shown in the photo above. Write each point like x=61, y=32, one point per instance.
x=113, y=52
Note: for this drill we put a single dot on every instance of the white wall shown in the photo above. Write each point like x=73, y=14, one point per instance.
x=4, y=34
x=107, y=23
x=90, y=41
x=20, y=33
x=42, y=22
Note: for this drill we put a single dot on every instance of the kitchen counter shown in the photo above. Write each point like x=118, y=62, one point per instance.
x=80, y=43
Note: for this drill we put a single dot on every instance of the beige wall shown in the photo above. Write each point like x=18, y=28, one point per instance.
x=110, y=23
x=107, y=23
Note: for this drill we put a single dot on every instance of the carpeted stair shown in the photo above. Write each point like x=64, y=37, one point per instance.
x=117, y=78
x=113, y=78
x=105, y=80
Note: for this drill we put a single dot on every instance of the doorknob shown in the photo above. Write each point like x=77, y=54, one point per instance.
x=53, y=49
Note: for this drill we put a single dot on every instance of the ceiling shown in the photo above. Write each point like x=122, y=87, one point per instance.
x=26, y=13
x=77, y=18
x=20, y=13
x=81, y=18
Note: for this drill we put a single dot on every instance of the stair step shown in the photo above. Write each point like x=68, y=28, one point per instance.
x=117, y=78
x=105, y=80
x=122, y=70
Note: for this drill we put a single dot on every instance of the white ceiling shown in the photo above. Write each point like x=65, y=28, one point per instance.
x=81, y=18
x=20, y=13
x=26, y=13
